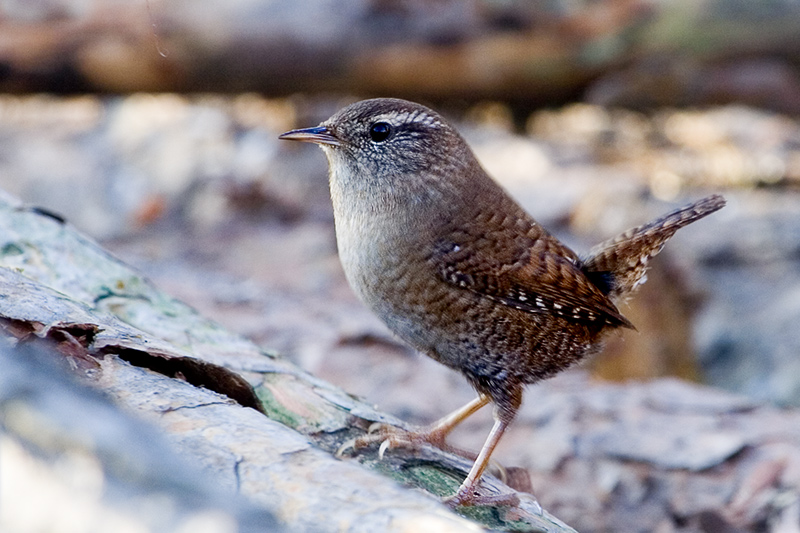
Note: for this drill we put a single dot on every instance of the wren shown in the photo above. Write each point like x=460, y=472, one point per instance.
x=457, y=269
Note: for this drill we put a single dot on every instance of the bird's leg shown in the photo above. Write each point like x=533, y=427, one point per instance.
x=433, y=434
x=437, y=432
x=466, y=493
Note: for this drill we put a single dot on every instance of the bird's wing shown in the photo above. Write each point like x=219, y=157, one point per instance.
x=533, y=273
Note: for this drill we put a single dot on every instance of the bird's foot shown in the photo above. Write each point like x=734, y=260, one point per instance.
x=467, y=496
x=391, y=437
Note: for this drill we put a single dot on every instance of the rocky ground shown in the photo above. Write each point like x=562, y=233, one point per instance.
x=200, y=195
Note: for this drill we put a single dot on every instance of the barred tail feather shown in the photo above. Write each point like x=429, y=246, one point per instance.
x=618, y=266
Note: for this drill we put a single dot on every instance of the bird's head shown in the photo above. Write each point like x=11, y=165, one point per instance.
x=388, y=141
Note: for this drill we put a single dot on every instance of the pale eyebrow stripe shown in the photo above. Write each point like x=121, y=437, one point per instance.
x=397, y=118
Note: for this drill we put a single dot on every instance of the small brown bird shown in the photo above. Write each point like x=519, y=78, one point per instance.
x=457, y=269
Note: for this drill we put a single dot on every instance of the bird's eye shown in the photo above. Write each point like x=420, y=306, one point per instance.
x=380, y=131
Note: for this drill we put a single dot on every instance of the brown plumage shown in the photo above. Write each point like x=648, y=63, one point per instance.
x=456, y=268
x=619, y=265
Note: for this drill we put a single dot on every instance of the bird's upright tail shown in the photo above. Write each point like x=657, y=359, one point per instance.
x=618, y=266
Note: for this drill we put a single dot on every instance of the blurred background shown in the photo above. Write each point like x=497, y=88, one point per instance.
x=152, y=126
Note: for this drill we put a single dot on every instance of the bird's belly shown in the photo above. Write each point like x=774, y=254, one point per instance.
x=395, y=289
x=468, y=332
x=483, y=339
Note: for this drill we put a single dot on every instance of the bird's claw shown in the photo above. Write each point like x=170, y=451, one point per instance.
x=388, y=436
x=346, y=445
x=469, y=498
x=385, y=445
x=375, y=427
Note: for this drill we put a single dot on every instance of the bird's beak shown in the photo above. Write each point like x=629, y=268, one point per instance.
x=319, y=135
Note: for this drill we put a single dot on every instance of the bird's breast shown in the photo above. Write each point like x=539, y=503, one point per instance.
x=387, y=265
